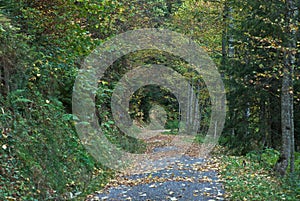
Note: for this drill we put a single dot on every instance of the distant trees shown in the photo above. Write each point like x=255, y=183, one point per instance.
x=253, y=73
x=261, y=76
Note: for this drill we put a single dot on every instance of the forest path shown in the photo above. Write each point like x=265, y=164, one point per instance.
x=166, y=174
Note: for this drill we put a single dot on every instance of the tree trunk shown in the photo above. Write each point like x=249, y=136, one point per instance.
x=287, y=109
x=286, y=120
x=224, y=35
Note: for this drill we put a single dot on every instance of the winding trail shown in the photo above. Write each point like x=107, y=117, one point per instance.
x=166, y=177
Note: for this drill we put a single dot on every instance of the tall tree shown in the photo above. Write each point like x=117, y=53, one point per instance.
x=254, y=74
x=287, y=106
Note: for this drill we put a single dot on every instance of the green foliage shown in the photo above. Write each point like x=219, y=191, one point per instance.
x=48, y=154
x=170, y=132
x=267, y=157
x=253, y=74
x=14, y=57
x=41, y=155
x=172, y=124
x=247, y=179
x=199, y=138
x=43, y=43
x=202, y=21
x=107, y=124
x=297, y=161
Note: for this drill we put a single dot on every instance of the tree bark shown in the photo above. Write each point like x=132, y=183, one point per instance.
x=287, y=108
x=224, y=34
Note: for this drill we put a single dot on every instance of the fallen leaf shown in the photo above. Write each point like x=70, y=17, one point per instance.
x=143, y=195
x=4, y=146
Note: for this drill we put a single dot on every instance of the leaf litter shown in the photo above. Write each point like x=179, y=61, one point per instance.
x=163, y=176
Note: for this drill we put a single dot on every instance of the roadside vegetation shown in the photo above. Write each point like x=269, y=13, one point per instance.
x=43, y=43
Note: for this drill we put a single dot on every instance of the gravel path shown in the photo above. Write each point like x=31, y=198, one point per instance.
x=185, y=178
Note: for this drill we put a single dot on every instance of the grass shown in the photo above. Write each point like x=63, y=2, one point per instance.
x=170, y=132
x=247, y=178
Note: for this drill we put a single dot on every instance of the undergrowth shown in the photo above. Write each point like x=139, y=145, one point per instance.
x=41, y=155
x=251, y=177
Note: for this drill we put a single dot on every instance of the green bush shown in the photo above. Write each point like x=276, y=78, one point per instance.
x=46, y=151
x=172, y=124
x=267, y=157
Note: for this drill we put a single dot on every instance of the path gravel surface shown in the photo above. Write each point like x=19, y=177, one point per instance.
x=184, y=178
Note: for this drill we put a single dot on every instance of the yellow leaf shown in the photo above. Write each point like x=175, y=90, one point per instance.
x=4, y=146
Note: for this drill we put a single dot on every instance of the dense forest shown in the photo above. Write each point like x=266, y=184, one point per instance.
x=44, y=43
